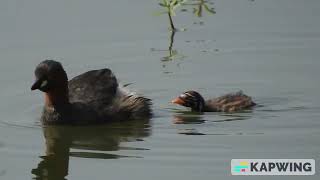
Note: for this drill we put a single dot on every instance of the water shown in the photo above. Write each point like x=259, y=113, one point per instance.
x=267, y=48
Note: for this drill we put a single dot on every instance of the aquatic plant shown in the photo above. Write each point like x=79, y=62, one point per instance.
x=171, y=6
x=200, y=5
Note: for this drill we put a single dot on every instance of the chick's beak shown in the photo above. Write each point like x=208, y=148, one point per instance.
x=178, y=100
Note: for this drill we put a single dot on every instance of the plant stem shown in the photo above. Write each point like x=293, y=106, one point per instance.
x=171, y=21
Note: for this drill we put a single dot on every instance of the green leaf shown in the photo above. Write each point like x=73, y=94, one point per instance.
x=173, y=3
x=166, y=3
x=163, y=5
x=159, y=13
x=210, y=10
x=197, y=12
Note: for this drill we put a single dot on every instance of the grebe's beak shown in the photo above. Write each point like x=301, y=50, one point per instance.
x=39, y=84
x=178, y=100
x=36, y=85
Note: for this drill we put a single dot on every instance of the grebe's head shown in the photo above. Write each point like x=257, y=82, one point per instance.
x=50, y=76
x=190, y=99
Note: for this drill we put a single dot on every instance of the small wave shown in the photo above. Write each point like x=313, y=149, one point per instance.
x=285, y=109
x=95, y=155
x=195, y=132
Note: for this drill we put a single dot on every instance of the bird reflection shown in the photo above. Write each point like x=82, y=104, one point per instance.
x=187, y=119
x=86, y=142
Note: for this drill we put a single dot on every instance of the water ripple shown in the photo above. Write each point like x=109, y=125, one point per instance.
x=195, y=132
x=96, y=155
